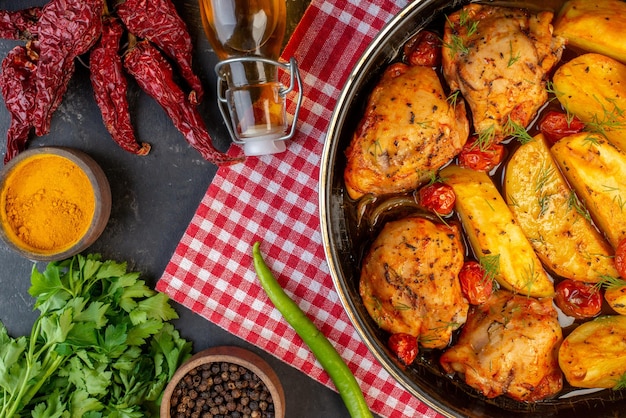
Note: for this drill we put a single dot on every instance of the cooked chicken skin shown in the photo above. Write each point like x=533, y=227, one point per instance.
x=408, y=131
x=498, y=58
x=509, y=347
x=409, y=280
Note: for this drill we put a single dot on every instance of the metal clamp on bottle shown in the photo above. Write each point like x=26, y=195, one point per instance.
x=253, y=102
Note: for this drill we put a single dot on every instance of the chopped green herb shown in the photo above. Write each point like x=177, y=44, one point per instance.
x=453, y=98
x=530, y=276
x=611, y=283
x=574, y=203
x=470, y=26
x=512, y=58
x=101, y=346
x=611, y=118
x=517, y=131
x=491, y=265
x=485, y=138
x=621, y=383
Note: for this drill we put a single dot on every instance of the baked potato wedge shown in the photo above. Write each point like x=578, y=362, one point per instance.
x=615, y=294
x=594, y=354
x=597, y=171
x=616, y=298
x=494, y=235
x=595, y=26
x=551, y=216
x=593, y=87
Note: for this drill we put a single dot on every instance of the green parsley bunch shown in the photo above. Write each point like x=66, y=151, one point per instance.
x=102, y=345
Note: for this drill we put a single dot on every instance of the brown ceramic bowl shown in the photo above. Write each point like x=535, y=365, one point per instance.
x=89, y=173
x=233, y=355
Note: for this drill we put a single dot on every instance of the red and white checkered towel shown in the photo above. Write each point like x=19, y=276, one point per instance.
x=274, y=199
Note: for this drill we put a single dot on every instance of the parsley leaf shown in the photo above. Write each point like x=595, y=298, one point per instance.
x=102, y=345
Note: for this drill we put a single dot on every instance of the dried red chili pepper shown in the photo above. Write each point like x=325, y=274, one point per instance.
x=159, y=22
x=110, y=86
x=66, y=29
x=156, y=77
x=20, y=24
x=17, y=81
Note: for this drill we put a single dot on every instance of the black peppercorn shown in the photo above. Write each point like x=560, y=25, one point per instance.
x=221, y=390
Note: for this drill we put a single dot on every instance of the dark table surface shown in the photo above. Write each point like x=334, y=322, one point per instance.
x=154, y=198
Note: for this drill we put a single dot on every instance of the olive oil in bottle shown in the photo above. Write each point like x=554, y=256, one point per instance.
x=247, y=36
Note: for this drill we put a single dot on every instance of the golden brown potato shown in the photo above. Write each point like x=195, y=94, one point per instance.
x=615, y=296
x=495, y=235
x=594, y=354
x=595, y=26
x=409, y=280
x=409, y=130
x=552, y=218
x=593, y=87
x=597, y=171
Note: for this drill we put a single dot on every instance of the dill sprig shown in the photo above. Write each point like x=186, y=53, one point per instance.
x=546, y=175
x=610, y=119
x=513, y=202
x=574, y=203
x=591, y=139
x=543, y=200
x=453, y=98
x=551, y=90
x=401, y=307
x=457, y=45
x=376, y=149
x=485, y=138
x=621, y=383
x=379, y=318
x=517, y=131
x=465, y=22
x=433, y=177
x=530, y=278
x=512, y=58
x=610, y=283
x=490, y=265
x=618, y=199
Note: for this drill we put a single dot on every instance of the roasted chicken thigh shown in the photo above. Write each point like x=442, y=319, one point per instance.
x=409, y=280
x=509, y=347
x=409, y=130
x=499, y=59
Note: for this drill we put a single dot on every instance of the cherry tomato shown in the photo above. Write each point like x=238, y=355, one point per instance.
x=556, y=125
x=395, y=70
x=577, y=299
x=620, y=258
x=423, y=49
x=404, y=347
x=481, y=158
x=438, y=198
x=475, y=284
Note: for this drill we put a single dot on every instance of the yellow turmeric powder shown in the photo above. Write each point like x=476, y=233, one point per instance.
x=48, y=203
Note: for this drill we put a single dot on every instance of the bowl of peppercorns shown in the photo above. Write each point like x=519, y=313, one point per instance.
x=223, y=382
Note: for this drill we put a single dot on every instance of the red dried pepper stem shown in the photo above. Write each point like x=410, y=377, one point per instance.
x=20, y=24
x=110, y=87
x=17, y=82
x=66, y=29
x=156, y=77
x=159, y=22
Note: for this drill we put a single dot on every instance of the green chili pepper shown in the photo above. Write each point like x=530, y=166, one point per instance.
x=323, y=350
